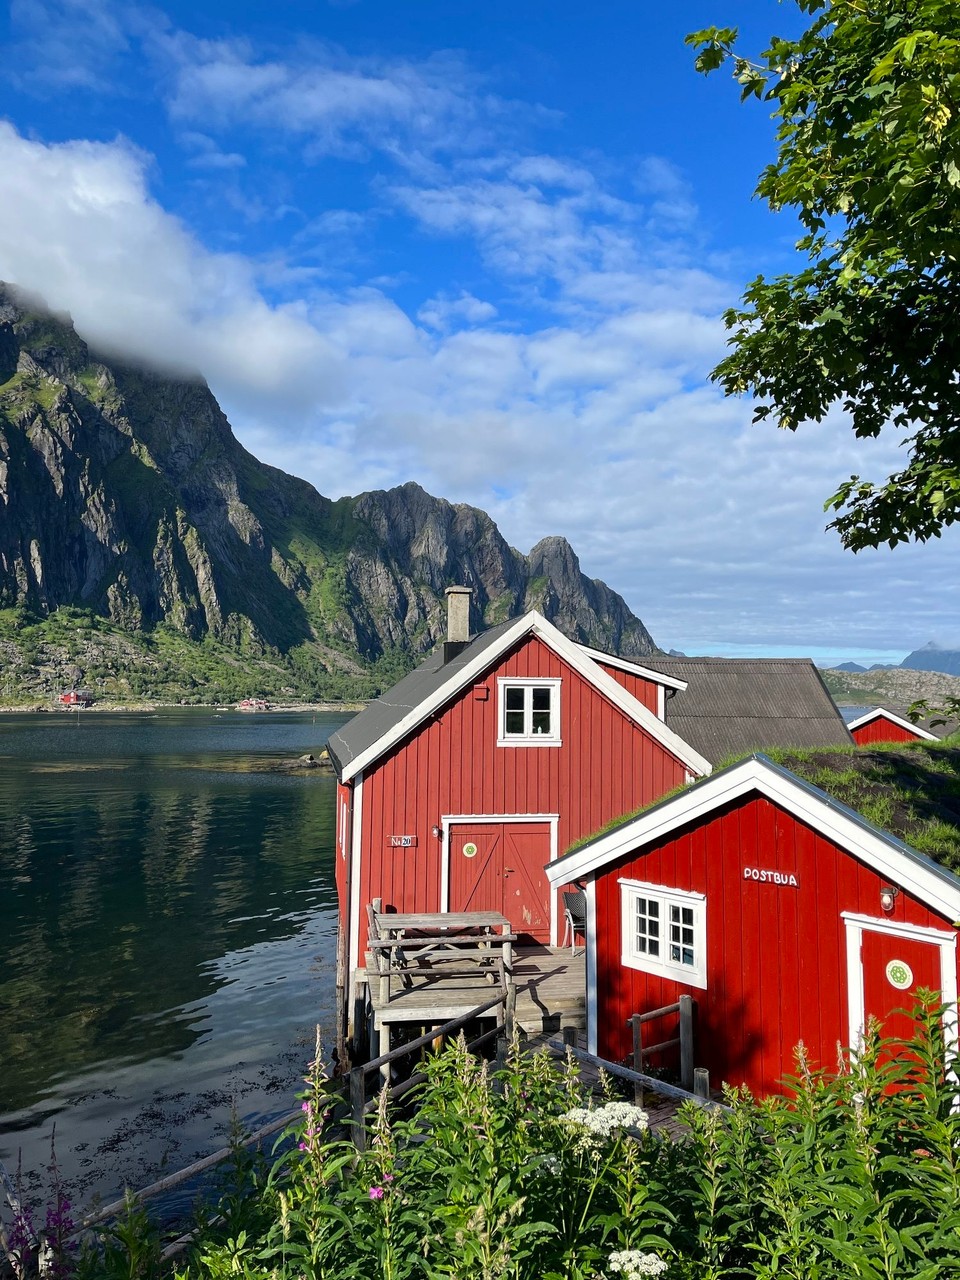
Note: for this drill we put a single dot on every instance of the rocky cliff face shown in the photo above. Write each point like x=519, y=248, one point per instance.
x=126, y=493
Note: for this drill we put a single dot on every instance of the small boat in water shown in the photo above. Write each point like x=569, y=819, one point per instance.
x=253, y=704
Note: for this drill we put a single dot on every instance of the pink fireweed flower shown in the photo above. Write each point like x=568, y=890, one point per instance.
x=304, y=1106
x=388, y=1177
x=303, y=1146
x=375, y=1193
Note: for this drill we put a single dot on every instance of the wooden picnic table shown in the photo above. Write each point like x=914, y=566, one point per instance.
x=408, y=939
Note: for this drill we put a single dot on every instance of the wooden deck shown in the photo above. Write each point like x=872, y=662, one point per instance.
x=550, y=982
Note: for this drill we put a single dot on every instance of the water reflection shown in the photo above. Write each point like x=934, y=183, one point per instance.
x=166, y=916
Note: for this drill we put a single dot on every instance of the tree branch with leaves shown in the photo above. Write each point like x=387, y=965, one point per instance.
x=867, y=105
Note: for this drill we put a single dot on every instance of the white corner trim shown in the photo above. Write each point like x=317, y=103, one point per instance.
x=534, y=623
x=592, y=1001
x=916, y=932
x=856, y=925
x=929, y=884
x=635, y=668
x=883, y=713
x=356, y=837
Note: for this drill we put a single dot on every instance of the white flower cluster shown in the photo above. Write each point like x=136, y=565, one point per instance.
x=634, y=1265
x=605, y=1121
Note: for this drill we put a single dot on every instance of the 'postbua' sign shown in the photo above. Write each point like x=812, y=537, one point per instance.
x=765, y=876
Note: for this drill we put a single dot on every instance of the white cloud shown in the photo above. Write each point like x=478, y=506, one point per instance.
x=80, y=228
x=597, y=424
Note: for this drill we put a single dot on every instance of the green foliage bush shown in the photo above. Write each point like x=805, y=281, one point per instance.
x=520, y=1173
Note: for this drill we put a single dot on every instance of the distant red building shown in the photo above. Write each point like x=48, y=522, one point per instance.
x=76, y=698
x=880, y=724
x=786, y=915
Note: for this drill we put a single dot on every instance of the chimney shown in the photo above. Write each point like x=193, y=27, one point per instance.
x=458, y=621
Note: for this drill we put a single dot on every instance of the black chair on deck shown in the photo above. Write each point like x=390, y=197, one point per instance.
x=575, y=913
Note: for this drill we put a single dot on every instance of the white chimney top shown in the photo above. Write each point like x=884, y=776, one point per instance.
x=458, y=614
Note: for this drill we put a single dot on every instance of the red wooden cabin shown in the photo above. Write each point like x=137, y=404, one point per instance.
x=76, y=698
x=786, y=915
x=880, y=724
x=458, y=785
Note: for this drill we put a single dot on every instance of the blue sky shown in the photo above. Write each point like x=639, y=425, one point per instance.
x=482, y=246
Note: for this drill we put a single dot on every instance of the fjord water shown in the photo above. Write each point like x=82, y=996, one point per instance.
x=167, y=934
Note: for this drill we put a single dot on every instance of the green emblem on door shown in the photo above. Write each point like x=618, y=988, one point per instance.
x=469, y=849
x=899, y=974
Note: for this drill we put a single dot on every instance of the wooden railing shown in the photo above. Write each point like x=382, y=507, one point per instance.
x=360, y=1107
x=683, y=1039
x=637, y=1078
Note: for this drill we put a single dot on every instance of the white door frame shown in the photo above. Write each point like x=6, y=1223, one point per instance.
x=856, y=926
x=458, y=819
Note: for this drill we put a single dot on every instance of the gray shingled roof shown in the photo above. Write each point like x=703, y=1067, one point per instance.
x=377, y=719
x=733, y=706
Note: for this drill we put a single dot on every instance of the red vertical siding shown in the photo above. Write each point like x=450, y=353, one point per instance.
x=606, y=766
x=645, y=691
x=776, y=954
x=880, y=729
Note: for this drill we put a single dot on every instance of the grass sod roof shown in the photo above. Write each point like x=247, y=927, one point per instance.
x=911, y=790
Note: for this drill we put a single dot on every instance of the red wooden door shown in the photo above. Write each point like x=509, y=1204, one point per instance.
x=894, y=968
x=499, y=867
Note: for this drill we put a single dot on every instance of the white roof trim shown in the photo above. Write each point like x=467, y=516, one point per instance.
x=572, y=654
x=891, y=715
x=635, y=668
x=930, y=884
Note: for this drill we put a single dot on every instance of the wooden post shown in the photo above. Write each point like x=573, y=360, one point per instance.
x=510, y=1011
x=569, y=1035
x=637, y=1057
x=701, y=1082
x=384, y=1050
x=358, y=1097
x=686, y=1042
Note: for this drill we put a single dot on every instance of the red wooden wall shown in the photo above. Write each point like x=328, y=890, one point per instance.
x=644, y=691
x=776, y=958
x=605, y=767
x=880, y=729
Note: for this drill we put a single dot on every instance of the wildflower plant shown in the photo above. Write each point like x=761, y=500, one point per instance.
x=517, y=1172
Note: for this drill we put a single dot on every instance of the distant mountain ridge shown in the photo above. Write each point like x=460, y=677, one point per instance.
x=932, y=658
x=125, y=493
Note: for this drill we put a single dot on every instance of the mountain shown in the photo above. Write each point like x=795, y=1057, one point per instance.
x=889, y=686
x=850, y=666
x=932, y=658
x=124, y=495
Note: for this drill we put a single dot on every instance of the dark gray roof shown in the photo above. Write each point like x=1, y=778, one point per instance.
x=385, y=712
x=733, y=706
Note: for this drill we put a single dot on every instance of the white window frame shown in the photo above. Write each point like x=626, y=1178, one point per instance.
x=529, y=739
x=662, y=966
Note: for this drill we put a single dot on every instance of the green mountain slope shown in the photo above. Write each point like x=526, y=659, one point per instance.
x=126, y=499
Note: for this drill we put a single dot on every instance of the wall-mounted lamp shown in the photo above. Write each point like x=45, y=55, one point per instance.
x=435, y=831
x=888, y=895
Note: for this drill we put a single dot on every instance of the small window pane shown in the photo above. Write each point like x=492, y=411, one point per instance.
x=514, y=697
x=682, y=936
x=541, y=699
x=648, y=927
x=513, y=722
x=541, y=721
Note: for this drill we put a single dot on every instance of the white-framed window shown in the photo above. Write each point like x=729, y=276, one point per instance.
x=529, y=712
x=664, y=931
